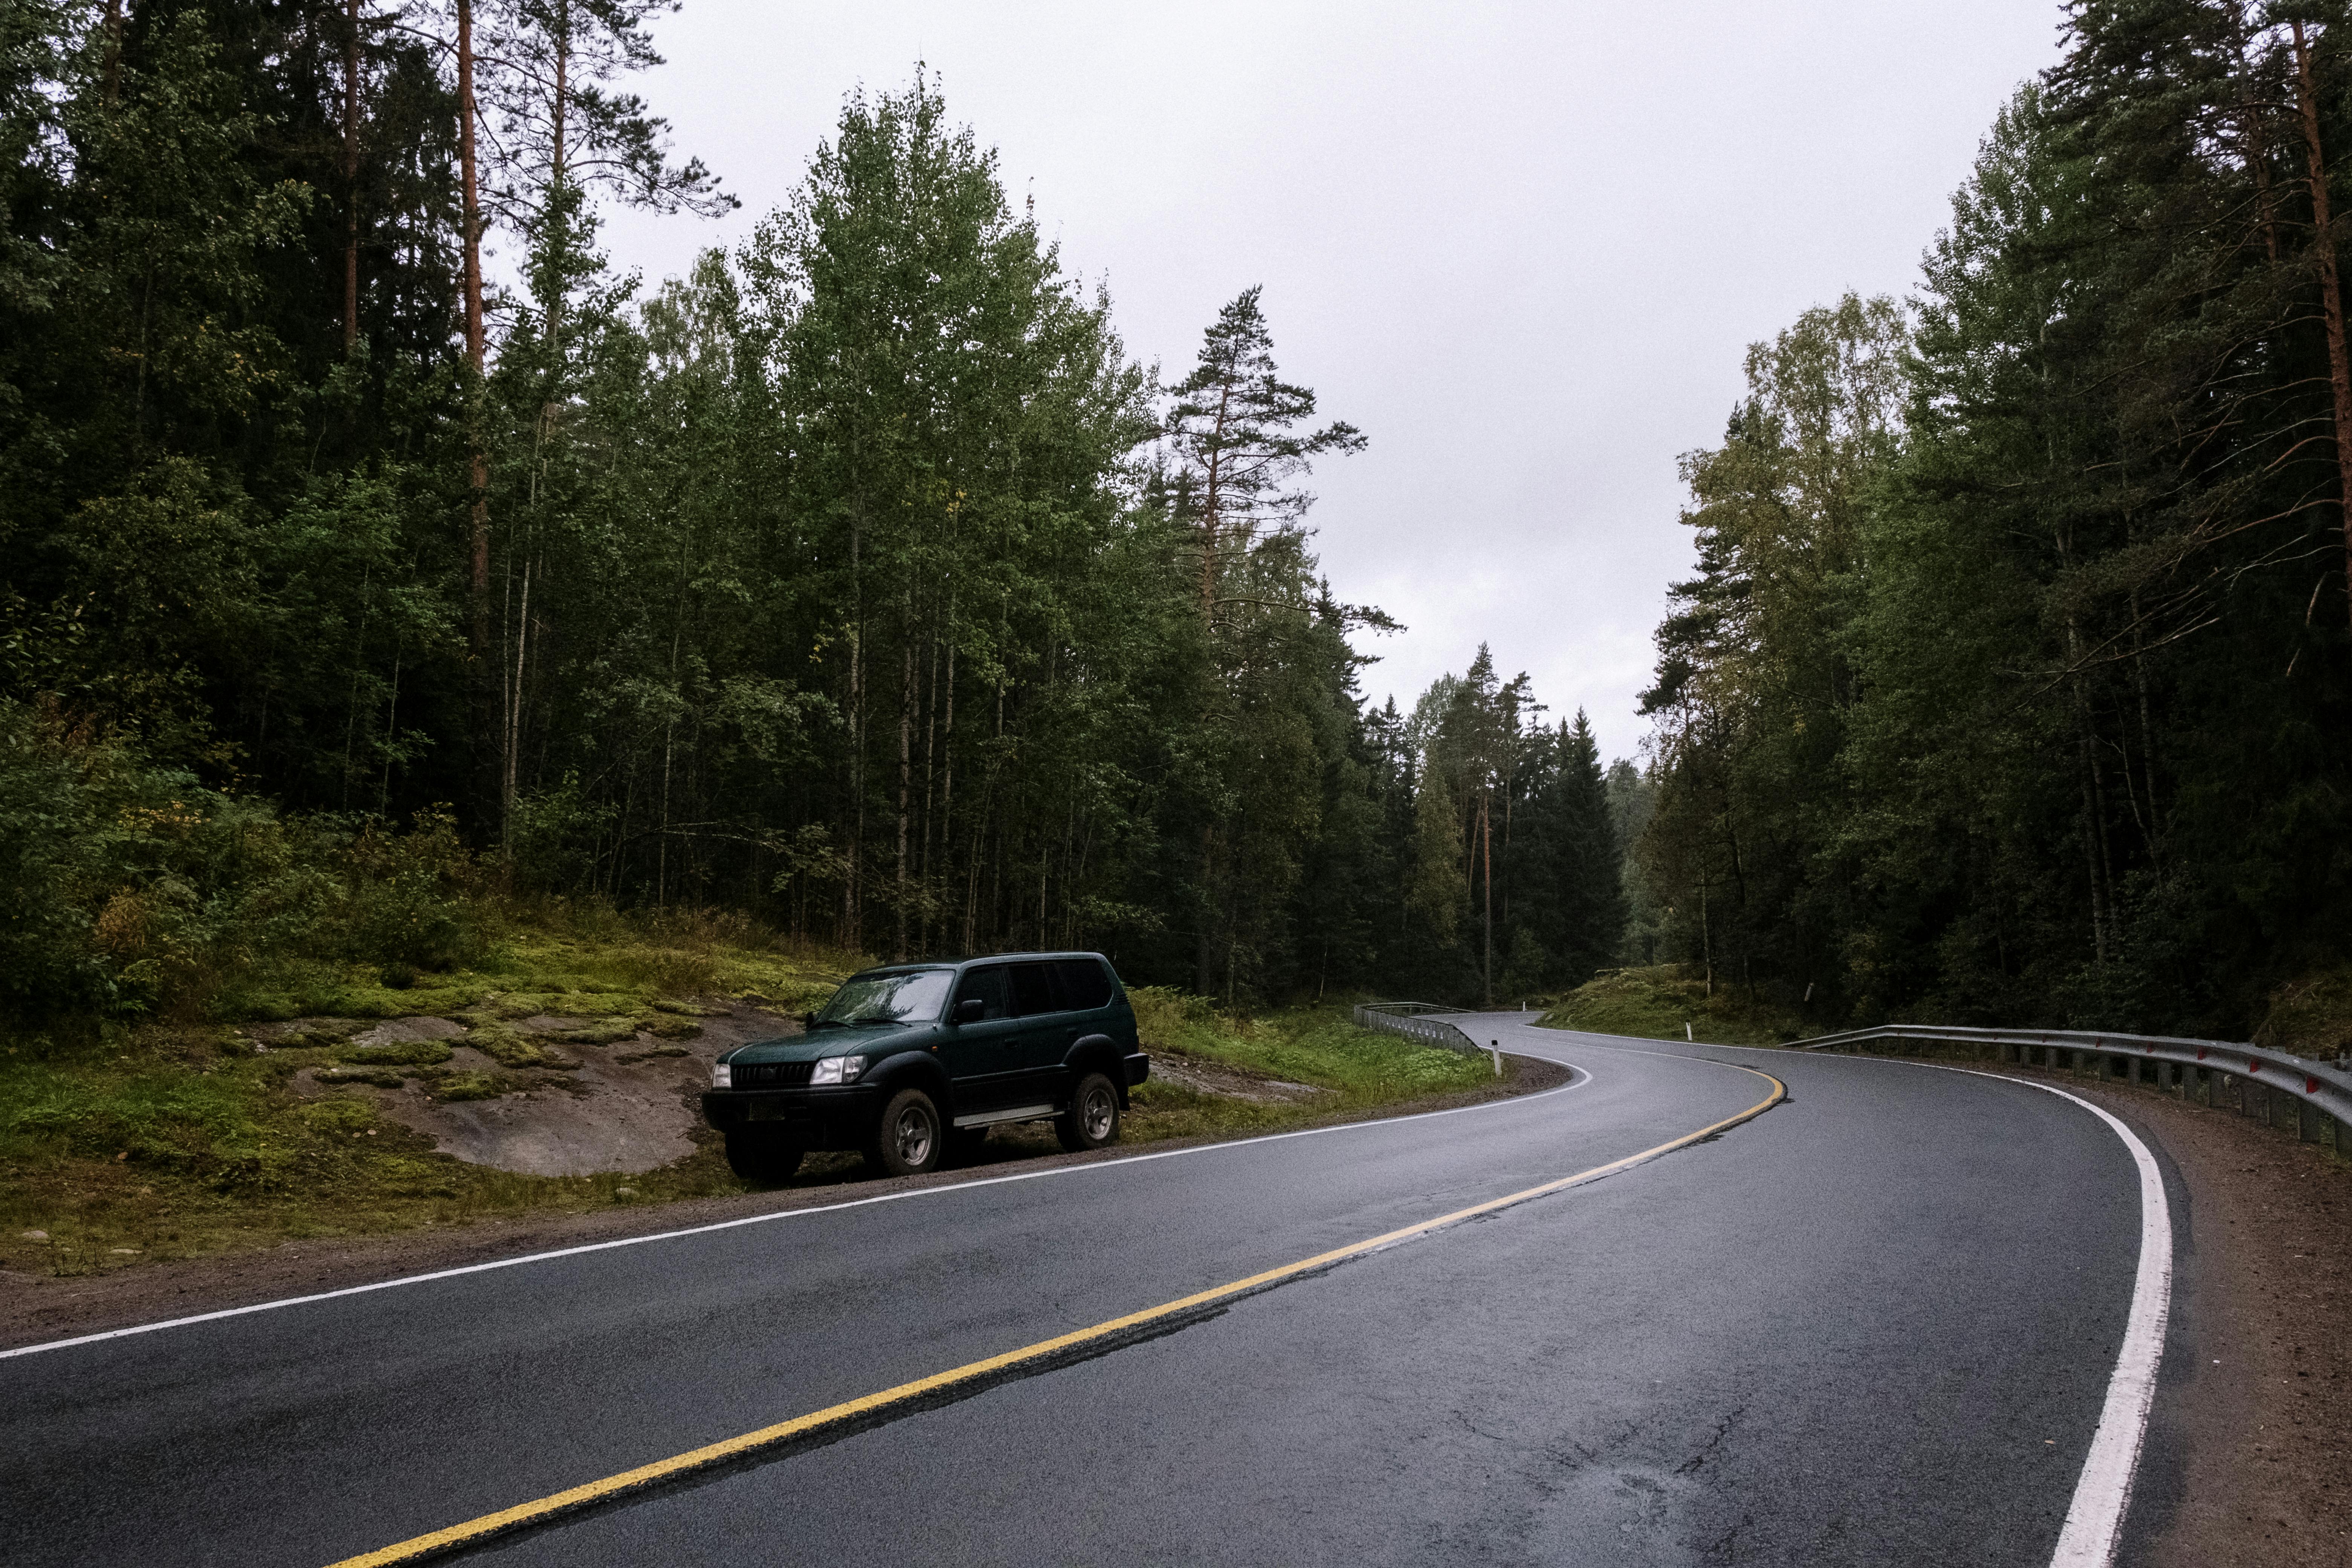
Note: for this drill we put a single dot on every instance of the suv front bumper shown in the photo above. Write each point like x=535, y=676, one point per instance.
x=814, y=1118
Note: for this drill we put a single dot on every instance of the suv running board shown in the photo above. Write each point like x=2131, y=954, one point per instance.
x=990, y=1118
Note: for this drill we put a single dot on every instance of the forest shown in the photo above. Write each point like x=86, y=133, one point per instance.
x=2011, y=685
x=861, y=580
x=865, y=583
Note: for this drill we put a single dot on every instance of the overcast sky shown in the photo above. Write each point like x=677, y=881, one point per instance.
x=1523, y=246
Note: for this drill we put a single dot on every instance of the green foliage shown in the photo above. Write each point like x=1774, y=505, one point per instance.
x=1316, y=1047
x=1658, y=1001
x=2003, y=696
x=2310, y=1015
x=835, y=583
x=138, y=890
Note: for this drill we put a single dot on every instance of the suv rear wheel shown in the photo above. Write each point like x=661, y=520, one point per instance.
x=907, y=1141
x=761, y=1154
x=1092, y=1121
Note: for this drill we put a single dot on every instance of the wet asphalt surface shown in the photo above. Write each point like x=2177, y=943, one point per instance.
x=1873, y=1326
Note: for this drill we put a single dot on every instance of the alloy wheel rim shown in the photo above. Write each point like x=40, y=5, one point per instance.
x=1098, y=1114
x=914, y=1136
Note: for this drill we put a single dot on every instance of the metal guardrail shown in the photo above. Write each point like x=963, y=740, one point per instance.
x=1404, y=1018
x=2250, y=1078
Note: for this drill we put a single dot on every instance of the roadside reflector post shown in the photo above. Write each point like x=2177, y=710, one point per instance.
x=1687, y=1034
x=1495, y=1047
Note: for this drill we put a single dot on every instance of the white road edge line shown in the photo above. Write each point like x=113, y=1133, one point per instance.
x=2094, y=1521
x=1579, y=1077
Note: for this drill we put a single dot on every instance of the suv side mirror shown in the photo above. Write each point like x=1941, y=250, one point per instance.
x=971, y=1010
x=808, y=1022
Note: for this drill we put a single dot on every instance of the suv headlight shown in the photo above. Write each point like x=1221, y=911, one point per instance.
x=722, y=1077
x=838, y=1069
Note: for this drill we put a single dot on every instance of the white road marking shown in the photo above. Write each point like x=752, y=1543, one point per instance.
x=2095, y=1520
x=1581, y=1077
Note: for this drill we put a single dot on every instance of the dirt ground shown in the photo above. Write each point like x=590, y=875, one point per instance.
x=629, y=1106
x=2261, y=1288
x=34, y=1309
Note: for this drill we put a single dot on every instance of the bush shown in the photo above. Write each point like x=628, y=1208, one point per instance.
x=134, y=889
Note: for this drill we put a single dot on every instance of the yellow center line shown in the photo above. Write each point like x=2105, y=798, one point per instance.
x=542, y=1508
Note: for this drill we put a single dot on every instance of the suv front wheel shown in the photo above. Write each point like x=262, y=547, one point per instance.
x=908, y=1140
x=1092, y=1121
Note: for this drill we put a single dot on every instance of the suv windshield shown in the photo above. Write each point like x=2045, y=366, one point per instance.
x=909, y=998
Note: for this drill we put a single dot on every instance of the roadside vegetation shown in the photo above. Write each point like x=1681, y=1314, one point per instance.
x=1656, y=1003
x=2311, y=1016
x=1348, y=1070
x=124, y=1140
x=125, y=1137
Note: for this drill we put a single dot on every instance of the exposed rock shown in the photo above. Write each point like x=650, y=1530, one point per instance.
x=400, y=1031
x=633, y=1111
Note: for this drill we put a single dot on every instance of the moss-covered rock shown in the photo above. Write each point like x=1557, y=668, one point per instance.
x=398, y=1053
x=511, y=1048
x=473, y=1085
x=604, y=1032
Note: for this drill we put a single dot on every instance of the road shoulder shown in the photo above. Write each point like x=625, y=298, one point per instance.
x=2260, y=1459
x=35, y=1309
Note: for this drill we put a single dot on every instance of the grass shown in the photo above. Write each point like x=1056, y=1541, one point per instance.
x=1318, y=1047
x=1656, y=1003
x=2310, y=1016
x=120, y=1143
x=170, y=1140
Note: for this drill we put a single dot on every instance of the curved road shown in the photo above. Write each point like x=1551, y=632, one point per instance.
x=1874, y=1324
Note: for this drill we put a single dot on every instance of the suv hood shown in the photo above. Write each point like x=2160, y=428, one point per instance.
x=856, y=1040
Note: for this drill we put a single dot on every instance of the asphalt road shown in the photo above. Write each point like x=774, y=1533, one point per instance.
x=1873, y=1325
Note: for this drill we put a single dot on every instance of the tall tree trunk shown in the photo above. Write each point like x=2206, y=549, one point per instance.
x=350, y=177
x=1205, y=968
x=557, y=174
x=2331, y=291
x=905, y=783
x=2250, y=109
x=477, y=456
x=1210, y=522
x=1706, y=936
x=513, y=746
x=113, y=51
x=1486, y=862
x=853, y=914
x=946, y=772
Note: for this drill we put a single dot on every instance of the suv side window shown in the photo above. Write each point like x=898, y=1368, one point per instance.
x=1032, y=989
x=986, y=985
x=1086, y=986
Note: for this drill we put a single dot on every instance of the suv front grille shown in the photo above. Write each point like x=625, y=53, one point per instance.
x=773, y=1075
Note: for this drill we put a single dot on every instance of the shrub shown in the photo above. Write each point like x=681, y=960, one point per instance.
x=133, y=888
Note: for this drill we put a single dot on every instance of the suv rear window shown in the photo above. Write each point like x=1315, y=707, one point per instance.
x=1032, y=989
x=1086, y=983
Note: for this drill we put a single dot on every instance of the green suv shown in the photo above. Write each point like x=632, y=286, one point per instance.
x=913, y=1062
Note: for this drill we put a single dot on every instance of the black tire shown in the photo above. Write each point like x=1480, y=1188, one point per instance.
x=908, y=1137
x=965, y=1145
x=761, y=1154
x=1092, y=1121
